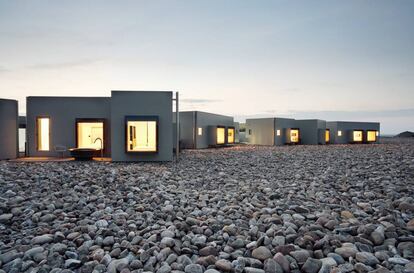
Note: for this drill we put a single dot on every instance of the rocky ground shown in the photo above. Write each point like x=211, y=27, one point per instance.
x=345, y=208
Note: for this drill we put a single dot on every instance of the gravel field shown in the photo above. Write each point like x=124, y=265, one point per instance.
x=333, y=208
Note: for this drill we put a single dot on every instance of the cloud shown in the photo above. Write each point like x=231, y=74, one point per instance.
x=333, y=115
x=63, y=65
x=198, y=101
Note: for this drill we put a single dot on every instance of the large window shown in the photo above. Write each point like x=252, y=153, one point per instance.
x=294, y=135
x=142, y=135
x=230, y=135
x=90, y=134
x=221, y=135
x=327, y=135
x=43, y=133
x=357, y=136
x=372, y=136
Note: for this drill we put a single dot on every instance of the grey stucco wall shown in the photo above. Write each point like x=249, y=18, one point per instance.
x=208, y=120
x=8, y=129
x=260, y=131
x=63, y=112
x=347, y=127
x=142, y=103
x=311, y=131
x=283, y=124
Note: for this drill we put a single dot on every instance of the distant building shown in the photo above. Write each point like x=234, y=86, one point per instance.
x=342, y=132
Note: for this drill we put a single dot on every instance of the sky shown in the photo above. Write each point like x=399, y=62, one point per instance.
x=333, y=59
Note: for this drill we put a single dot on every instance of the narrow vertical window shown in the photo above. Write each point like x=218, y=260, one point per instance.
x=230, y=135
x=339, y=133
x=43, y=134
x=142, y=136
x=327, y=136
x=200, y=131
x=278, y=132
x=221, y=135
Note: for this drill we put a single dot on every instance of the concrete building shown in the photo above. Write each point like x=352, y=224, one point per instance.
x=281, y=131
x=9, y=124
x=272, y=131
x=343, y=132
x=200, y=130
x=128, y=126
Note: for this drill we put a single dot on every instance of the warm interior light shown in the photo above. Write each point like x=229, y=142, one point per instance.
x=278, y=132
x=90, y=135
x=43, y=141
x=142, y=136
x=327, y=136
x=372, y=136
x=376, y=133
x=200, y=131
x=357, y=136
x=339, y=133
x=230, y=135
x=221, y=135
x=294, y=135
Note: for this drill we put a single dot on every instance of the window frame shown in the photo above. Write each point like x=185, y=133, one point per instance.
x=234, y=134
x=375, y=135
x=362, y=135
x=37, y=133
x=90, y=120
x=225, y=135
x=142, y=118
x=290, y=135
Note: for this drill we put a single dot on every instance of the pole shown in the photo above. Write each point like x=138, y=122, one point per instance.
x=177, y=118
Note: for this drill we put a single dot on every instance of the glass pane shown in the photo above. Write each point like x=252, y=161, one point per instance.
x=200, y=131
x=90, y=135
x=43, y=134
x=372, y=136
x=357, y=136
x=221, y=135
x=142, y=136
x=294, y=135
x=230, y=135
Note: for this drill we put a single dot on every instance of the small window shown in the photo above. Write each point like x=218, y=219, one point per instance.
x=372, y=136
x=200, y=131
x=376, y=133
x=278, y=132
x=221, y=135
x=43, y=134
x=339, y=133
x=142, y=136
x=357, y=136
x=294, y=135
x=250, y=131
x=230, y=135
x=327, y=136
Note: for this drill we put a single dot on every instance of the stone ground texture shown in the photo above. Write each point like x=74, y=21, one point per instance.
x=334, y=208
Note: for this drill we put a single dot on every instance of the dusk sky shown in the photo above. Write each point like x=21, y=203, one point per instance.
x=346, y=60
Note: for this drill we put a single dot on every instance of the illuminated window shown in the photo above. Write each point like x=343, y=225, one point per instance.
x=278, y=132
x=142, y=136
x=339, y=133
x=43, y=134
x=327, y=135
x=376, y=133
x=357, y=136
x=372, y=136
x=221, y=135
x=230, y=135
x=90, y=134
x=294, y=135
x=200, y=131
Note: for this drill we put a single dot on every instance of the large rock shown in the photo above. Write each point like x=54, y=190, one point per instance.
x=366, y=258
x=261, y=253
x=42, y=239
